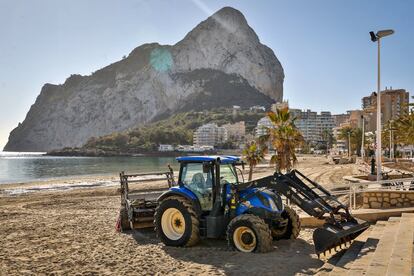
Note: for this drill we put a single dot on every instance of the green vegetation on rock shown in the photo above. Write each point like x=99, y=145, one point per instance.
x=176, y=129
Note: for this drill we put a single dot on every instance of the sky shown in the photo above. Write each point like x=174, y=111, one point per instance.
x=323, y=45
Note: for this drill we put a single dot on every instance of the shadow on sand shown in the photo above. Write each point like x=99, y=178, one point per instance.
x=289, y=257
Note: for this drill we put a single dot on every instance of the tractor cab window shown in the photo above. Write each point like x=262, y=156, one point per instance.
x=227, y=174
x=198, y=178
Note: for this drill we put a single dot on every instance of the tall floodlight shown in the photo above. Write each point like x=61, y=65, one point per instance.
x=363, y=138
x=377, y=38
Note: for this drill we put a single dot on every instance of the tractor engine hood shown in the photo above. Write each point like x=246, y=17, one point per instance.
x=259, y=198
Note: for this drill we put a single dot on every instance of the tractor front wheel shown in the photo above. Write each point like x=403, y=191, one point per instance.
x=176, y=222
x=249, y=233
x=292, y=229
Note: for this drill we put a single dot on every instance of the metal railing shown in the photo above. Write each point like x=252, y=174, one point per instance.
x=401, y=184
x=353, y=188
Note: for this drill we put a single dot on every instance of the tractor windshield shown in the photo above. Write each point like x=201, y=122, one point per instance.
x=200, y=182
x=228, y=174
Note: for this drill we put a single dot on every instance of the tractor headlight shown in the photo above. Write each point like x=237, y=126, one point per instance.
x=272, y=204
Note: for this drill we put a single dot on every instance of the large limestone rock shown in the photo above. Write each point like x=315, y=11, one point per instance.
x=221, y=62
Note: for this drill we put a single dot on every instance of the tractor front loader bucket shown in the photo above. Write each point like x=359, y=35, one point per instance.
x=336, y=235
x=340, y=226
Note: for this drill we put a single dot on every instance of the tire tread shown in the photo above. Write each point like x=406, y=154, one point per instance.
x=264, y=235
x=195, y=232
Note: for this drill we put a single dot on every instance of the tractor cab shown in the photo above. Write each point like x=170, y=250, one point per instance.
x=207, y=176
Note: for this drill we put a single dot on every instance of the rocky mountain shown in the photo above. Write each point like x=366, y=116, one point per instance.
x=221, y=62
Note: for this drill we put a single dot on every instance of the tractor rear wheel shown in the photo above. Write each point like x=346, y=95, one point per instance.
x=249, y=233
x=292, y=229
x=123, y=217
x=176, y=222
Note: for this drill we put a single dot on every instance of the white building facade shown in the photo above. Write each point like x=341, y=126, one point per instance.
x=262, y=126
x=165, y=147
x=209, y=135
x=236, y=131
x=311, y=124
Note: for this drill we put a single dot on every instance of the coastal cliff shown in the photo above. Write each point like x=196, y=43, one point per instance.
x=220, y=63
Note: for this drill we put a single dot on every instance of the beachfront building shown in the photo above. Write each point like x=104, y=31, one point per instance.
x=262, y=126
x=313, y=125
x=236, y=131
x=325, y=122
x=355, y=118
x=307, y=123
x=340, y=119
x=209, y=135
x=340, y=146
x=165, y=147
x=191, y=148
x=394, y=103
x=185, y=148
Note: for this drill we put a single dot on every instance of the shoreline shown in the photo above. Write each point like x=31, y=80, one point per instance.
x=100, y=181
x=95, y=153
x=78, y=182
x=79, y=152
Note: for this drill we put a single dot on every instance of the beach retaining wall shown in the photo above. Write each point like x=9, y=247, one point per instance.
x=388, y=199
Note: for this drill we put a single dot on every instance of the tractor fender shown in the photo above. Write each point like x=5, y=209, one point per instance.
x=184, y=192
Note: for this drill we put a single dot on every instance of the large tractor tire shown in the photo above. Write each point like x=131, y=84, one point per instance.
x=176, y=222
x=123, y=220
x=249, y=233
x=292, y=229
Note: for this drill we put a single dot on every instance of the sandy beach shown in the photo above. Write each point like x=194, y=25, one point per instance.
x=72, y=232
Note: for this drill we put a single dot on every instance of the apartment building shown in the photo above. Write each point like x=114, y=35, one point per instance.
x=236, y=131
x=311, y=124
x=394, y=103
x=209, y=135
x=262, y=126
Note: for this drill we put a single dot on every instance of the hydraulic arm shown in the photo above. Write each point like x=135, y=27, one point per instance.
x=340, y=226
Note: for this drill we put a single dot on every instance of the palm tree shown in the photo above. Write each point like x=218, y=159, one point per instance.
x=356, y=140
x=345, y=134
x=405, y=129
x=353, y=137
x=253, y=155
x=284, y=137
x=328, y=138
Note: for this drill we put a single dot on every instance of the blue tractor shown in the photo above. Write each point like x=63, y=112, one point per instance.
x=212, y=200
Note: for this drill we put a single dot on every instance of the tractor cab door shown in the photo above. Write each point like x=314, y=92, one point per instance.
x=198, y=178
x=228, y=174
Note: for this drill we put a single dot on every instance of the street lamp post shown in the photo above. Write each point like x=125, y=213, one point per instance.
x=363, y=138
x=391, y=140
x=377, y=38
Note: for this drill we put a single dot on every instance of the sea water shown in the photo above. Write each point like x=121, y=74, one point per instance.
x=19, y=167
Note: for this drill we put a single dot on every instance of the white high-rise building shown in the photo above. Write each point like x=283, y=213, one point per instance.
x=209, y=135
x=236, y=131
x=311, y=124
x=262, y=125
